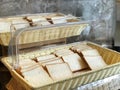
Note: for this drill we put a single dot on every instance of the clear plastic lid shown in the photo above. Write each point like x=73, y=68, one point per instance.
x=54, y=32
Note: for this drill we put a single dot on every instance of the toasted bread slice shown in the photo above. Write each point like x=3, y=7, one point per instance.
x=59, y=71
x=95, y=62
x=75, y=62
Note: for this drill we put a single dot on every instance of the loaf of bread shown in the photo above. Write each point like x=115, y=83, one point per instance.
x=75, y=62
x=59, y=71
x=37, y=77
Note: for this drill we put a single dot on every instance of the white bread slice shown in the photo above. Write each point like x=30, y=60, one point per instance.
x=45, y=57
x=20, y=26
x=20, y=23
x=37, y=77
x=90, y=52
x=75, y=62
x=80, y=47
x=26, y=69
x=59, y=71
x=95, y=62
x=58, y=19
x=38, y=20
x=33, y=18
x=48, y=60
x=62, y=51
x=52, y=62
x=28, y=65
x=5, y=26
x=63, y=54
x=25, y=61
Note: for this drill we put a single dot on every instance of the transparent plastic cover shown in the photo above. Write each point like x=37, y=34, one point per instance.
x=55, y=31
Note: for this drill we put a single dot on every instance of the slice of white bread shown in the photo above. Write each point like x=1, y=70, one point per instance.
x=38, y=20
x=75, y=62
x=80, y=47
x=20, y=26
x=90, y=52
x=59, y=71
x=37, y=77
x=25, y=62
x=19, y=23
x=27, y=65
x=71, y=18
x=63, y=52
x=52, y=62
x=45, y=57
x=5, y=25
x=58, y=19
x=95, y=62
x=48, y=60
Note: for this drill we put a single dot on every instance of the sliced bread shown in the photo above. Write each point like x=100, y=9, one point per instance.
x=75, y=62
x=59, y=71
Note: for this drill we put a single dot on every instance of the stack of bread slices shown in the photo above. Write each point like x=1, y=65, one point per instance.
x=20, y=22
x=60, y=64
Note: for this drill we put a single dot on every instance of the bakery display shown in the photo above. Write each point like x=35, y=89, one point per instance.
x=45, y=62
x=60, y=64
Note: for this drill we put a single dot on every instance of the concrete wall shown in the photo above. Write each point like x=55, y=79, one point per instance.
x=118, y=11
